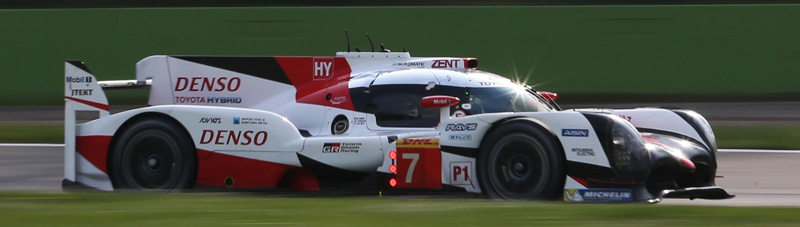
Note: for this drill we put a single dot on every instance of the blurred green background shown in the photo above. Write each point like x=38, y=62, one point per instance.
x=573, y=50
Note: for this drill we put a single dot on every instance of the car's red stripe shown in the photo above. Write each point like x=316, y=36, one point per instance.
x=579, y=180
x=89, y=103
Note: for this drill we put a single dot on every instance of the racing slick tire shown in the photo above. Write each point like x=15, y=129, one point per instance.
x=520, y=161
x=153, y=154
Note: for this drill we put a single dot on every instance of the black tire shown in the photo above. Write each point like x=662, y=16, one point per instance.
x=521, y=161
x=153, y=154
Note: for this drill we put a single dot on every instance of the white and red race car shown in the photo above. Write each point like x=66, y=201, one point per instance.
x=317, y=123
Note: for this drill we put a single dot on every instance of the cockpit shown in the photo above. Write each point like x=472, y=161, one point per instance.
x=504, y=99
x=394, y=97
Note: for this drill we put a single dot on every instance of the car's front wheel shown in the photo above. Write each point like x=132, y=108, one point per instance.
x=520, y=161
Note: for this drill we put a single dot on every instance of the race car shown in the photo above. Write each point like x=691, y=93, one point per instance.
x=378, y=121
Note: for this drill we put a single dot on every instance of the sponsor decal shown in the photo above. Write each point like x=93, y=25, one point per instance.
x=598, y=195
x=233, y=137
x=430, y=86
x=410, y=64
x=417, y=142
x=198, y=99
x=210, y=120
x=75, y=80
x=466, y=106
x=489, y=83
x=445, y=63
x=575, y=132
x=626, y=117
x=81, y=92
x=338, y=100
x=442, y=101
x=249, y=121
x=359, y=121
x=341, y=147
x=459, y=113
x=459, y=173
x=208, y=84
x=461, y=137
x=583, y=151
x=461, y=127
x=223, y=100
x=323, y=68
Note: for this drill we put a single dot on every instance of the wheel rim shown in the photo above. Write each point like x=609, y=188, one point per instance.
x=151, y=161
x=517, y=167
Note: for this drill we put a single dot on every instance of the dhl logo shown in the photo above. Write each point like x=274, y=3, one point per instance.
x=418, y=143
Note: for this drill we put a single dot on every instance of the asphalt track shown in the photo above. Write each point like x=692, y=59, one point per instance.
x=758, y=178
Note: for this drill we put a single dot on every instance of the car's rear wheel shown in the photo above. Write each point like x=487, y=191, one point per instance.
x=520, y=161
x=153, y=154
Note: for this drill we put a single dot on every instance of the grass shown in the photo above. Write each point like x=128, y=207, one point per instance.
x=31, y=133
x=756, y=137
x=681, y=49
x=102, y=209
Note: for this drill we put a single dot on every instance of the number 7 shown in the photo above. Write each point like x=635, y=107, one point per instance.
x=414, y=158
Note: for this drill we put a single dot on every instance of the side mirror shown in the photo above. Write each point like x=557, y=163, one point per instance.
x=550, y=96
x=439, y=101
x=442, y=102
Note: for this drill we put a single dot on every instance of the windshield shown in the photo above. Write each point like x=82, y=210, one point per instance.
x=504, y=99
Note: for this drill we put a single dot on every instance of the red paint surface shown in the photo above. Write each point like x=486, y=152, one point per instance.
x=313, y=90
x=246, y=173
x=580, y=181
x=94, y=149
x=466, y=63
x=439, y=101
x=428, y=171
x=550, y=96
x=302, y=179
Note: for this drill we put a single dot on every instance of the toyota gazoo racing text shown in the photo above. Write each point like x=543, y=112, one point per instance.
x=376, y=120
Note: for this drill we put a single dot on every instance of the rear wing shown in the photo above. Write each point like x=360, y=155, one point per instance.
x=81, y=93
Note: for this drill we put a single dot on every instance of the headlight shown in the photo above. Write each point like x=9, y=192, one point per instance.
x=623, y=144
x=627, y=146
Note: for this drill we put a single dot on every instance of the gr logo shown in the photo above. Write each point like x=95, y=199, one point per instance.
x=461, y=127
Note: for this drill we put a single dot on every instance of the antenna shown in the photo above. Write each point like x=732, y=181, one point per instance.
x=370, y=43
x=404, y=49
x=348, y=40
x=383, y=49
